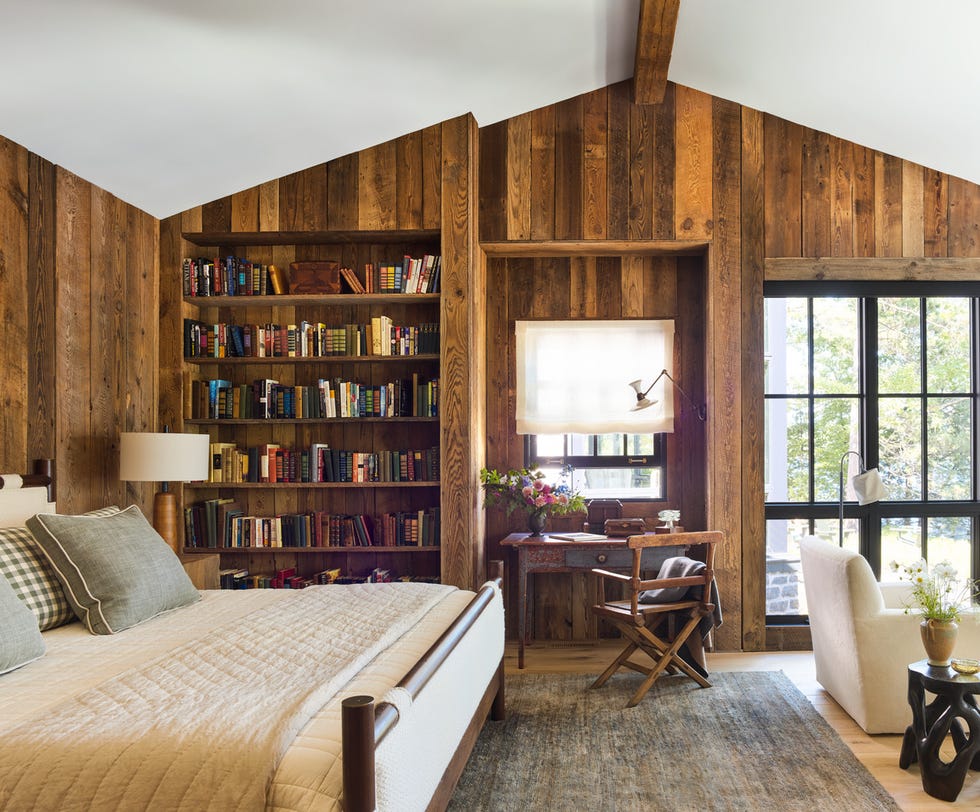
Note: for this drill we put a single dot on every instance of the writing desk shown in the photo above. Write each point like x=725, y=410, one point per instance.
x=546, y=554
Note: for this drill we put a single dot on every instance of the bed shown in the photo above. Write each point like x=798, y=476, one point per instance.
x=334, y=697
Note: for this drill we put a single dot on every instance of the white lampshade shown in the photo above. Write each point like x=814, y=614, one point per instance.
x=163, y=457
x=868, y=487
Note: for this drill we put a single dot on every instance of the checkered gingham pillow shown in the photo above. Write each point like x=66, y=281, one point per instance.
x=33, y=578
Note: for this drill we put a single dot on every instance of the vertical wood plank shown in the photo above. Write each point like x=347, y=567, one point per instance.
x=342, y=192
x=841, y=198
x=618, y=162
x=494, y=201
x=517, y=192
x=245, y=210
x=542, y=174
x=376, y=190
x=408, y=166
x=73, y=280
x=431, y=177
x=641, y=192
x=964, y=213
x=632, y=284
x=692, y=181
x=935, y=213
x=664, y=166
x=752, y=208
x=42, y=336
x=582, y=287
x=595, y=137
x=569, y=169
x=783, y=184
x=216, y=215
x=15, y=403
x=888, y=205
x=817, y=231
x=268, y=207
x=864, y=206
x=913, y=214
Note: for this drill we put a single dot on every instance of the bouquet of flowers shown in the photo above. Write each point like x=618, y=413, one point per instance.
x=526, y=490
x=936, y=593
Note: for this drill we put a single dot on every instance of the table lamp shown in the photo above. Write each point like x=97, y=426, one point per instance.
x=164, y=457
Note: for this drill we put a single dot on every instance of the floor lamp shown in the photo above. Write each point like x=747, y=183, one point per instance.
x=164, y=457
x=867, y=487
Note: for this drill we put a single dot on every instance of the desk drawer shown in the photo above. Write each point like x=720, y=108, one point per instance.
x=607, y=559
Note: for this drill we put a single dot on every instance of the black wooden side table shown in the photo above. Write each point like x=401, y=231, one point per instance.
x=932, y=722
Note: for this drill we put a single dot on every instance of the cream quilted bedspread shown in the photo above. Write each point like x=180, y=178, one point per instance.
x=204, y=727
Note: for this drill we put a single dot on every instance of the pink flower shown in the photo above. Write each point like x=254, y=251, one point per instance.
x=538, y=485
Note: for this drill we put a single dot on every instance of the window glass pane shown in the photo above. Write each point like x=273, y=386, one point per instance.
x=787, y=450
x=900, y=447
x=622, y=483
x=580, y=445
x=610, y=445
x=829, y=530
x=835, y=430
x=784, y=584
x=901, y=541
x=948, y=344
x=639, y=444
x=836, y=346
x=787, y=357
x=899, y=346
x=950, y=448
x=550, y=445
x=948, y=539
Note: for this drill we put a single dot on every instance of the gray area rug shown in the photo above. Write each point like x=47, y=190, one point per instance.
x=752, y=741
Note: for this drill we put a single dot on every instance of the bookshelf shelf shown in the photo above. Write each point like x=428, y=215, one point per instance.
x=206, y=239
x=313, y=359
x=313, y=421
x=309, y=485
x=328, y=300
x=376, y=549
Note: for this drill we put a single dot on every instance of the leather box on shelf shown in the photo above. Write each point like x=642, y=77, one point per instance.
x=314, y=276
x=620, y=528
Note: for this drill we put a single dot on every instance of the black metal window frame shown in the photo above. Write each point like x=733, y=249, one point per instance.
x=870, y=517
x=658, y=459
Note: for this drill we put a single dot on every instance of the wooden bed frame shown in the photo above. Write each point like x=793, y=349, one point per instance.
x=364, y=724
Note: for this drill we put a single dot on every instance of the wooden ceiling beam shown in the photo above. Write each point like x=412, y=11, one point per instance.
x=654, y=44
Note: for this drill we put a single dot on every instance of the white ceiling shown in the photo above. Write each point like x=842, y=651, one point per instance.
x=172, y=103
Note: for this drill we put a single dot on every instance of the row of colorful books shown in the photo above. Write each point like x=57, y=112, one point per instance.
x=223, y=524
x=267, y=399
x=273, y=463
x=238, y=276
x=309, y=339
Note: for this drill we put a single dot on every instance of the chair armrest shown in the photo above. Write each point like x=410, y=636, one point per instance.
x=616, y=576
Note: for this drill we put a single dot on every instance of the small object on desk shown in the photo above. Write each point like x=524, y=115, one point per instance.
x=965, y=665
x=621, y=528
x=664, y=529
x=577, y=536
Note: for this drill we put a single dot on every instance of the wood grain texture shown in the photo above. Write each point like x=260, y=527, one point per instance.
x=888, y=205
x=42, y=336
x=913, y=214
x=595, y=136
x=783, y=144
x=654, y=45
x=935, y=213
x=541, y=199
x=881, y=269
x=14, y=306
x=816, y=173
x=569, y=169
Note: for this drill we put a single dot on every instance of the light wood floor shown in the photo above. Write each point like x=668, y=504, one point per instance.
x=878, y=753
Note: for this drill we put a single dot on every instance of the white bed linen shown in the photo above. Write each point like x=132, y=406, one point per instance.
x=309, y=777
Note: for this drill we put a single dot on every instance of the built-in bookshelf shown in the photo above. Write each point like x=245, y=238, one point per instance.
x=322, y=408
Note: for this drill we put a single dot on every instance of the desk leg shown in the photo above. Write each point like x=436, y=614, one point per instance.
x=521, y=607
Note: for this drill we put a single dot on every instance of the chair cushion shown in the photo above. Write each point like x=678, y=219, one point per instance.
x=20, y=638
x=116, y=570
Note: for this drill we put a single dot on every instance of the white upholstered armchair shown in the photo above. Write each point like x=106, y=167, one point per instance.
x=863, y=640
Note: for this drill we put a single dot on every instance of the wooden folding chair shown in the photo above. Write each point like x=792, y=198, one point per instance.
x=638, y=622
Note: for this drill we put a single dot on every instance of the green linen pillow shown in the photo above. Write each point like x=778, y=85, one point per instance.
x=20, y=638
x=116, y=570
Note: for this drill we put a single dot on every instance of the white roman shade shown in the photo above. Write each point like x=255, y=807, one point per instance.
x=574, y=376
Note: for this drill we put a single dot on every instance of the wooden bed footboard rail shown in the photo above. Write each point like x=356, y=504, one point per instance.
x=364, y=724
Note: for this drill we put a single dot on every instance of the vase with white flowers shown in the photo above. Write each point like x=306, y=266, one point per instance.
x=526, y=490
x=940, y=598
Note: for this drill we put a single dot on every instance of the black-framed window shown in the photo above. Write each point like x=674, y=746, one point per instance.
x=889, y=371
x=614, y=465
